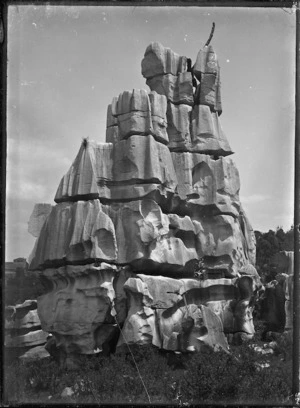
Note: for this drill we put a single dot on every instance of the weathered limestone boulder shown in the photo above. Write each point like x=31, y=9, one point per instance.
x=137, y=113
x=288, y=306
x=285, y=261
x=273, y=305
x=179, y=125
x=206, y=63
x=159, y=60
x=208, y=135
x=193, y=123
x=159, y=116
x=166, y=73
x=196, y=130
x=78, y=303
x=169, y=312
x=18, y=321
x=249, y=238
x=142, y=159
x=23, y=330
x=140, y=234
x=277, y=301
x=37, y=218
x=35, y=353
x=26, y=340
x=178, y=89
x=127, y=170
x=206, y=69
x=66, y=235
x=83, y=305
x=80, y=182
x=208, y=92
x=203, y=181
x=148, y=234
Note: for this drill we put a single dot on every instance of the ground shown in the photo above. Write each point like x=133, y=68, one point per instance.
x=253, y=373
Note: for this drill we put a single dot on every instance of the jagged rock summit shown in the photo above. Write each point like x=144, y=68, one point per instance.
x=148, y=234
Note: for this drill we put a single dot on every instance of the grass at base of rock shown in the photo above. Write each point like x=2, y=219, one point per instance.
x=242, y=377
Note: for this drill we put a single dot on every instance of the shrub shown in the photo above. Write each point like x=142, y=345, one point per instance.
x=235, y=378
x=284, y=343
x=209, y=377
x=24, y=378
x=119, y=380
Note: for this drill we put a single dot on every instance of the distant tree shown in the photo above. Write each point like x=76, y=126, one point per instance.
x=20, y=288
x=20, y=260
x=267, y=245
x=289, y=240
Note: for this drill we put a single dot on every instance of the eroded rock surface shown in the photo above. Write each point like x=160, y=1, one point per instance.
x=139, y=233
x=39, y=214
x=192, y=115
x=23, y=332
x=277, y=307
x=37, y=219
x=148, y=234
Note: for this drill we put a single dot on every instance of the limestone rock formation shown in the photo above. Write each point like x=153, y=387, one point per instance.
x=78, y=304
x=23, y=332
x=206, y=69
x=273, y=304
x=284, y=262
x=185, y=314
x=277, y=301
x=37, y=218
x=148, y=234
x=193, y=118
x=36, y=221
x=35, y=353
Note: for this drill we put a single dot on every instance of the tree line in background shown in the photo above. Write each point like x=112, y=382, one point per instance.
x=267, y=245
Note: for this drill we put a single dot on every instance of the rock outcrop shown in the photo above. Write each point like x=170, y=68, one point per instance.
x=192, y=117
x=24, y=336
x=277, y=302
x=273, y=304
x=37, y=218
x=36, y=221
x=148, y=234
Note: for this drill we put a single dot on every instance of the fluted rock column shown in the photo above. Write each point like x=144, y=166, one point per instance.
x=136, y=216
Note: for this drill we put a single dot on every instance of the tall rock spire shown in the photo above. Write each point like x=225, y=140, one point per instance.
x=148, y=229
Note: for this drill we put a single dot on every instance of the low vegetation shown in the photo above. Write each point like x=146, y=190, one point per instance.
x=244, y=376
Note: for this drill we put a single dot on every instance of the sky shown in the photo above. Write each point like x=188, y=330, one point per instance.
x=66, y=63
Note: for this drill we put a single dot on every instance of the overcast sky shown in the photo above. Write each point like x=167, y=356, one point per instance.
x=65, y=64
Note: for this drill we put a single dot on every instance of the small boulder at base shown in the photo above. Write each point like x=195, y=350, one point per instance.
x=67, y=392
